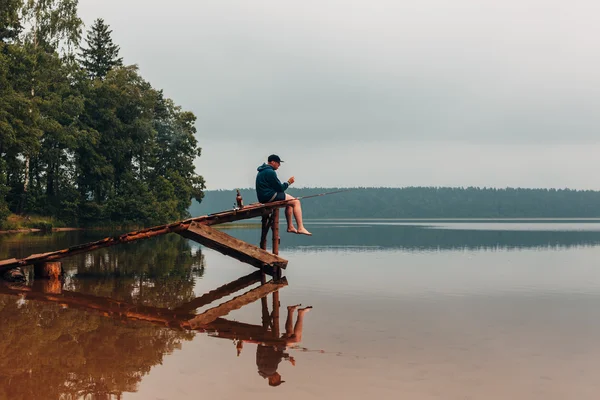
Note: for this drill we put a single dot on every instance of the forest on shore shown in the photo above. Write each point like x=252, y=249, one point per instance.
x=84, y=138
x=426, y=202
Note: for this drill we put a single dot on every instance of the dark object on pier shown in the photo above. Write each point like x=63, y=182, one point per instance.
x=238, y=199
x=14, y=275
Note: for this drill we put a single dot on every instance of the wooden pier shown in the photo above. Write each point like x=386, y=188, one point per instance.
x=254, y=286
x=197, y=229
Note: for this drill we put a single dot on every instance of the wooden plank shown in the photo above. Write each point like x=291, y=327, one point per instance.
x=8, y=263
x=220, y=292
x=201, y=320
x=231, y=246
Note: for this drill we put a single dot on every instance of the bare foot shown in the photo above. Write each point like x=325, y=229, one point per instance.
x=304, y=310
x=292, y=229
x=292, y=308
x=303, y=231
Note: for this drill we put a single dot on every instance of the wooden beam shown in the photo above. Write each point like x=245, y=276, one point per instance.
x=220, y=292
x=231, y=246
x=201, y=320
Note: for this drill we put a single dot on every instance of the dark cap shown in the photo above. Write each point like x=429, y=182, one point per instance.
x=275, y=158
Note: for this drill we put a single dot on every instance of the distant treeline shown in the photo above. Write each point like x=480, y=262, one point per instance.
x=84, y=138
x=427, y=202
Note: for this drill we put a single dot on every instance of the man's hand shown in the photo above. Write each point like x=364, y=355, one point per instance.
x=291, y=180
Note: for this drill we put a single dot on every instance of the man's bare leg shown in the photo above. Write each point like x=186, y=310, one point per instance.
x=297, y=336
x=288, y=321
x=297, y=211
x=288, y=217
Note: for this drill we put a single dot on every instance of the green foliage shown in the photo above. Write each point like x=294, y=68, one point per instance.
x=428, y=202
x=44, y=226
x=51, y=22
x=10, y=25
x=89, y=142
x=4, y=211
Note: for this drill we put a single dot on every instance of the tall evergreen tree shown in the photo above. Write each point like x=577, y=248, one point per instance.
x=102, y=55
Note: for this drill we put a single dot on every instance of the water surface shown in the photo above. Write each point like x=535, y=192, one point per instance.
x=400, y=309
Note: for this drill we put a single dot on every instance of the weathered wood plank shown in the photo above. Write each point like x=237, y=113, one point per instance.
x=220, y=292
x=231, y=246
x=8, y=262
x=251, y=296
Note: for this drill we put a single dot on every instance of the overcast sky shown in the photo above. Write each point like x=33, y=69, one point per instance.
x=377, y=92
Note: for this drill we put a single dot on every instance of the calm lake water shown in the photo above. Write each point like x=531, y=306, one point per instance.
x=400, y=309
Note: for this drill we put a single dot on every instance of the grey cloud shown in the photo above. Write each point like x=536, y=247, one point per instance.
x=471, y=72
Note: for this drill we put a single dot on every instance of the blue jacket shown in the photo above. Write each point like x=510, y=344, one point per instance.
x=267, y=183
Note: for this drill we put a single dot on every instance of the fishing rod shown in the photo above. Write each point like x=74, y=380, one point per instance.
x=238, y=201
x=324, y=194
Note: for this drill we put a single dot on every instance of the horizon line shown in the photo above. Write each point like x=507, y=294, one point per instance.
x=420, y=187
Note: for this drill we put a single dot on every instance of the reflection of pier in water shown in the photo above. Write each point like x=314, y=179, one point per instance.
x=79, y=344
x=118, y=312
x=181, y=317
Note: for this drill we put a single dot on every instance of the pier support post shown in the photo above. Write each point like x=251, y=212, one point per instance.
x=263, y=279
x=266, y=224
x=48, y=286
x=48, y=270
x=275, y=247
x=276, y=305
x=275, y=229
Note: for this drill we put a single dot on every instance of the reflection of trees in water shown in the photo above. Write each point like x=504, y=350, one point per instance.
x=24, y=244
x=54, y=352
x=48, y=351
x=160, y=272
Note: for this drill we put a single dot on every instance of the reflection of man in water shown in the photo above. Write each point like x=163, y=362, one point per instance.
x=269, y=357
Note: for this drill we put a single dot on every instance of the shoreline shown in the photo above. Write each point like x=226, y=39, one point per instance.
x=35, y=230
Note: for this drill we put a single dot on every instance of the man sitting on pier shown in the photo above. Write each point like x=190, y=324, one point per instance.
x=269, y=188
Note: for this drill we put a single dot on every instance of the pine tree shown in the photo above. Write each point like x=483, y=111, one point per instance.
x=102, y=55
